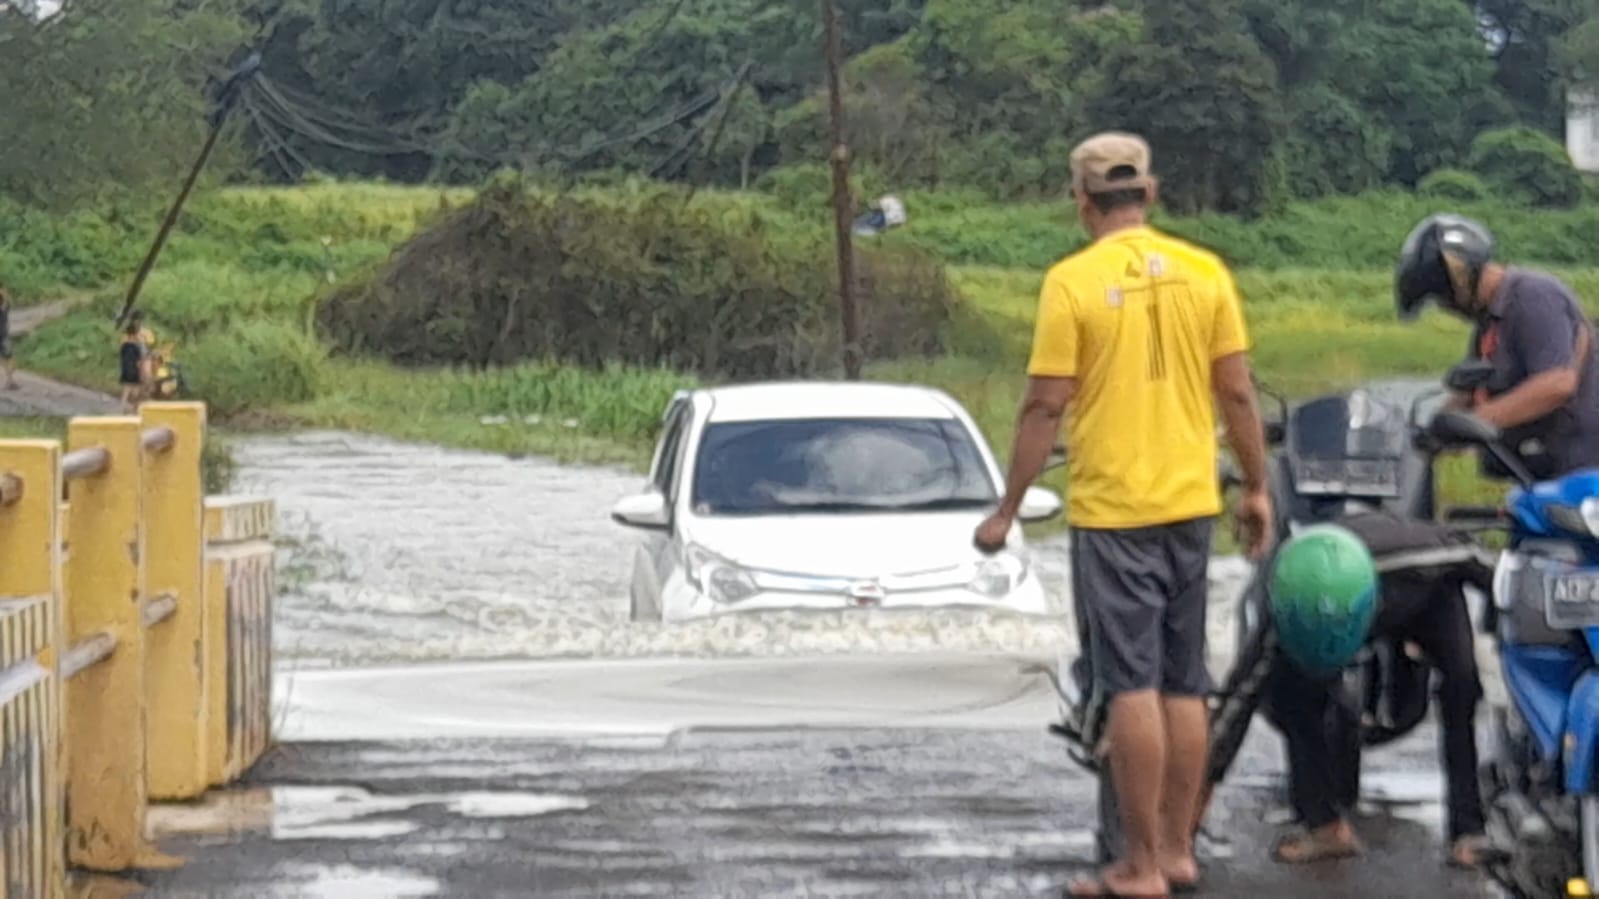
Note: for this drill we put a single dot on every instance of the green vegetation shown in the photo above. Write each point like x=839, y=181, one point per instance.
x=637, y=277
x=1309, y=136
x=240, y=293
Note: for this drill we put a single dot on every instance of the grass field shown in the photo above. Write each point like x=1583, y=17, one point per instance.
x=238, y=285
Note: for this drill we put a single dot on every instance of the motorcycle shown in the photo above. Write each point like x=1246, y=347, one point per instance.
x=167, y=377
x=1539, y=774
x=1332, y=457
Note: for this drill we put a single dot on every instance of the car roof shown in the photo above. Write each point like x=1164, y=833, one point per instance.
x=790, y=400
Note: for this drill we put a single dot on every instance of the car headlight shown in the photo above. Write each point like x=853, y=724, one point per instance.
x=723, y=581
x=998, y=576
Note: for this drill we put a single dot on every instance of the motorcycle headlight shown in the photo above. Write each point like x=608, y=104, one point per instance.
x=1582, y=520
x=1590, y=515
x=723, y=581
x=998, y=576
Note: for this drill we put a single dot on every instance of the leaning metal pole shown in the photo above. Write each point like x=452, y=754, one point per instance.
x=843, y=215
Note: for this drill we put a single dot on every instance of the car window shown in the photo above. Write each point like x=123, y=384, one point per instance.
x=820, y=465
x=671, y=443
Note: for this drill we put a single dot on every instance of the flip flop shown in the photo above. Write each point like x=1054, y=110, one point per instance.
x=1102, y=890
x=1315, y=849
x=1479, y=847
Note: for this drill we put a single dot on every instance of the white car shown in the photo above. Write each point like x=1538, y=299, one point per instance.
x=823, y=496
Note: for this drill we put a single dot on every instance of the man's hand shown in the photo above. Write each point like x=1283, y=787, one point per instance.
x=993, y=533
x=1254, y=523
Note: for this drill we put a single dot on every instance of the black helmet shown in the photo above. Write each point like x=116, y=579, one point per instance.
x=1423, y=274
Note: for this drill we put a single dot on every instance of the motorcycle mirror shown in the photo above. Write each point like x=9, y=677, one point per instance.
x=1276, y=433
x=1469, y=376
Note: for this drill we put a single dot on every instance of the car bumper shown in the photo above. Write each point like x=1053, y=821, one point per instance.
x=682, y=602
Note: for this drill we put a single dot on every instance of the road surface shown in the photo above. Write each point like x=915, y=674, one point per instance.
x=915, y=775
x=42, y=397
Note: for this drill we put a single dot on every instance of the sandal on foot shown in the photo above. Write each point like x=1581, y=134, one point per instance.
x=1096, y=887
x=1306, y=848
x=1475, y=847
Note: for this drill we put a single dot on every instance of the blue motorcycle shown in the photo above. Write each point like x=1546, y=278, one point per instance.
x=1540, y=771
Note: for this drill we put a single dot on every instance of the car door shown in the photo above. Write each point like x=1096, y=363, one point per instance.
x=661, y=553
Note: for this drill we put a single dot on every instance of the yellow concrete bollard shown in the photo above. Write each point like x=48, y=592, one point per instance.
x=174, y=549
x=105, y=702
x=30, y=640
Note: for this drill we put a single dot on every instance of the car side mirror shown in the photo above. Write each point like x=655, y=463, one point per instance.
x=647, y=511
x=1469, y=376
x=1039, y=504
x=1462, y=427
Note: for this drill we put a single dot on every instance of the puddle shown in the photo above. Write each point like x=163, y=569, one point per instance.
x=338, y=812
x=512, y=805
x=398, y=552
x=346, y=881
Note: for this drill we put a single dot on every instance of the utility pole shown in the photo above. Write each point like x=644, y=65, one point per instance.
x=843, y=213
x=226, y=94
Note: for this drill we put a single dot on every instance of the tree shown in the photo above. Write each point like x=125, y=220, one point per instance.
x=1527, y=40
x=107, y=97
x=1200, y=89
x=1378, y=91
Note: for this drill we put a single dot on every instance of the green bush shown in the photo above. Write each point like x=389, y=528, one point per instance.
x=253, y=365
x=807, y=189
x=1453, y=184
x=639, y=278
x=1528, y=164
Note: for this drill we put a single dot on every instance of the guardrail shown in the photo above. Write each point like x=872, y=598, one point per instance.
x=135, y=640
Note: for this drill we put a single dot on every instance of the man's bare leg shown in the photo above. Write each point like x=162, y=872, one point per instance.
x=1137, y=749
x=1187, y=753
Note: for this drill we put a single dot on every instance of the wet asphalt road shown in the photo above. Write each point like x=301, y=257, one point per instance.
x=902, y=812
x=934, y=776
x=762, y=756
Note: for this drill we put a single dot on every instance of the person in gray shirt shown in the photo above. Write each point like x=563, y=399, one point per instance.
x=1544, y=392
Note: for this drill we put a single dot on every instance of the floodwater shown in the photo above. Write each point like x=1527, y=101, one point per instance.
x=394, y=552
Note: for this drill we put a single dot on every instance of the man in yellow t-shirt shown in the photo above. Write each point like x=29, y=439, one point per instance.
x=1139, y=338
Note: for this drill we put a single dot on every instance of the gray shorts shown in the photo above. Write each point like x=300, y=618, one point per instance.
x=1140, y=596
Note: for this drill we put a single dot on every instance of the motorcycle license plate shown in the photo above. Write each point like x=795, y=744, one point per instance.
x=1571, y=599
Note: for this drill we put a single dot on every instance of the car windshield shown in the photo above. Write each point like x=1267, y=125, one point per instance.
x=823, y=465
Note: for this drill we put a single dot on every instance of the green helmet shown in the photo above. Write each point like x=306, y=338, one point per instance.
x=1323, y=597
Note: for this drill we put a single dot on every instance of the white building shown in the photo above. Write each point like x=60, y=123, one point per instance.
x=1582, y=131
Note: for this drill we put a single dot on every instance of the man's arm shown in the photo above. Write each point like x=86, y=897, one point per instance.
x=1553, y=357
x=1235, y=397
x=1036, y=428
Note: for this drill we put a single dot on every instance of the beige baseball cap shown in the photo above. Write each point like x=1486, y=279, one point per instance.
x=1111, y=161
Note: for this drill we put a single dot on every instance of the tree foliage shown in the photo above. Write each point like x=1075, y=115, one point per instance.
x=1247, y=101
x=106, y=97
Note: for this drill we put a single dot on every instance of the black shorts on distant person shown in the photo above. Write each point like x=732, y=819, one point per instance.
x=1140, y=596
x=131, y=357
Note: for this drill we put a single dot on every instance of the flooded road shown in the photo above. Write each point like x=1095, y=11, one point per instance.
x=395, y=552
x=465, y=709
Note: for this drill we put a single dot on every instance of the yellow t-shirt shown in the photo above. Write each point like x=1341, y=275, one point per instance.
x=1137, y=318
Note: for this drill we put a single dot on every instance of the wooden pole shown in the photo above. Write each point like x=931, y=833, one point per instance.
x=843, y=214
